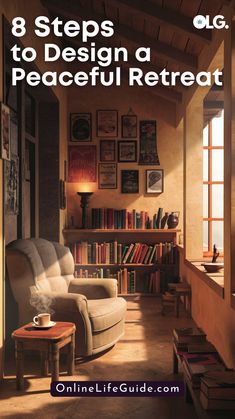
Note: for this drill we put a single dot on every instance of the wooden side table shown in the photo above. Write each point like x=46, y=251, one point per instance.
x=178, y=290
x=48, y=342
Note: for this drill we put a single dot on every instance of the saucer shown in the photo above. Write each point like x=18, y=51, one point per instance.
x=44, y=327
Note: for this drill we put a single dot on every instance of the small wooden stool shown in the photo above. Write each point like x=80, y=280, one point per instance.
x=48, y=342
x=179, y=290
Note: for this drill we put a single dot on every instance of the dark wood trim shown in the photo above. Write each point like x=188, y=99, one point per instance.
x=214, y=104
x=233, y=300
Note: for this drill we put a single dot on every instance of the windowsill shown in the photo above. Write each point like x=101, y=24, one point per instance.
x=215, y=281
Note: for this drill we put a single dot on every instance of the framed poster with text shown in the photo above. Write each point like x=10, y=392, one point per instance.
x=107, y=176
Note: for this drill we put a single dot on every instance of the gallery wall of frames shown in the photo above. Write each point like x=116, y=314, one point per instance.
x=131, y=141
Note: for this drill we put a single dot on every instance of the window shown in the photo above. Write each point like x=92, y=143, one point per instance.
x=213, y=184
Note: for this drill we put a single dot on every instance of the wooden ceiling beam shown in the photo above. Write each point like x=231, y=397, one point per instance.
x=159, y=90
x=179, y=22
x=146, y=67
x=162, y=50
x=217, y=88
x=171, y=94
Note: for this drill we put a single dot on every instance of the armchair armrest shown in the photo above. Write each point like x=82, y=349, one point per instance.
x=53, y=301
x=70, y=307
x=94, y=288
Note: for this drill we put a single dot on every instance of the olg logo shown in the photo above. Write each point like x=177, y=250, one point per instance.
x=201, y=22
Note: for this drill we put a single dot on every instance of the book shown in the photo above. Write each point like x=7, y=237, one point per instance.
x=112, y=252
x=189, y=335
x=112, y=218
x=202, y=347
x=219, y=385
x=195, y=373
x=198, y=364
x=158, y=218
x=216, y=404
x=127, y=254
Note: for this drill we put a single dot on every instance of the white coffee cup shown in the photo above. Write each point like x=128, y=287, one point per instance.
x=42, y=319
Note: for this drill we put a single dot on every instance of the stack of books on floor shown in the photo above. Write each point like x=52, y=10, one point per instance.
x=196, y=365
x=184, y=337
x=217, y=391
x=121, y=253
x=197, y=354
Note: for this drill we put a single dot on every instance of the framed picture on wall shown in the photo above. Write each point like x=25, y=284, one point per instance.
x=129, y=126
x=130, y=181
x=127, y=151
x=107, y=123
x=107, y=176
x=80, y=127
x=108, y=150
x=5, y=133
x=148, y=154
x=11, y=192
x=154, y=181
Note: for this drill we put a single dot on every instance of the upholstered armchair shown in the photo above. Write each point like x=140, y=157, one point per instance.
x=41, y=275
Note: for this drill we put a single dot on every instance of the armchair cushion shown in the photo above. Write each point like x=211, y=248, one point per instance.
x=105, y=313
x=94, y=288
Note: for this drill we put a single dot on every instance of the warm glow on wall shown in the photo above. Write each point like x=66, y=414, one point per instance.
x=86, y=187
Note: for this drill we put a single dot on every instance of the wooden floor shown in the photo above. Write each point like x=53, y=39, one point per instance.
x=144, y=353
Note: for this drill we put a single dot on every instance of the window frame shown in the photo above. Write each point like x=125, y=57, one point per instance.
x=210, y=147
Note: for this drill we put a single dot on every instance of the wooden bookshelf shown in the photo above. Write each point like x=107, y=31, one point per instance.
x=127, y=236
x=123, y=265
x=120, y=230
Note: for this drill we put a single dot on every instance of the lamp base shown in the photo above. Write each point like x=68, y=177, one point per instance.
x=85, y=196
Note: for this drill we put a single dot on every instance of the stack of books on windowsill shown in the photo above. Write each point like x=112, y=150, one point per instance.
x=217, y=391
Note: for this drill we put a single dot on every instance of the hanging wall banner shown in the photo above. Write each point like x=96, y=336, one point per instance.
x=148, y=143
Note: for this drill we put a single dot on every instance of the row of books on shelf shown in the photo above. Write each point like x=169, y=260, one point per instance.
x=126, y=280
x=205, y=369
x=119, y=253
x=110, y=218
x=152, y=283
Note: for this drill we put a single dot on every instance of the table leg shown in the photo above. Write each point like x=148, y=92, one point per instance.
x=54, y=357
x=44, y=364
x=177, y=305
x=71, y=357
x=190, y=305
x=187, y=395
x=175, y=363
x=19, y=355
